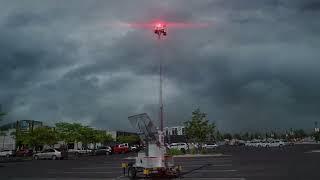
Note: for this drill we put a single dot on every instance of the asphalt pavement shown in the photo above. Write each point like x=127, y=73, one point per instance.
x=236, y=163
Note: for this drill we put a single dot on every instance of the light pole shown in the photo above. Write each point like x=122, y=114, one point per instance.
x=160, y=31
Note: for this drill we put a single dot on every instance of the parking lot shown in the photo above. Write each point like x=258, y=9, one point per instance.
x=236, y=163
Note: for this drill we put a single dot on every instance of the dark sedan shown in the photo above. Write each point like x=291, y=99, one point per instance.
x=24, y=153
x=104, y=150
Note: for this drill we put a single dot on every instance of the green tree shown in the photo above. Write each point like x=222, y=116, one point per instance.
x=257, y=135
x=2, y=114
x=245, y=136
x=219, y=136
x=41, y=136
x=87, y=135
x=102, y=137
x=316, y=136
x=2, y=133
x=299, y=133
x=237, y=136
x=198, y=129
x=227, y=136
x=69, y=132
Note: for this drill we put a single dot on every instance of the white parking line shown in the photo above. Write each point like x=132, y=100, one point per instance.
x=214, y=178
x=102, y=167
x=215, y=170
x=89, y=172
x=205, y=161
x=212, y=165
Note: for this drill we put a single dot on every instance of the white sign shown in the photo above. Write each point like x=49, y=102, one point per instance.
x=316, y=129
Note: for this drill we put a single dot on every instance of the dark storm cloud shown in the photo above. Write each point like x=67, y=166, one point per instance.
x=254, y=67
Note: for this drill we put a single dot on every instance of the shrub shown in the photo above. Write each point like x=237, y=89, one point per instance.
x=193, y=151
x=173, y=152
x=203, y=151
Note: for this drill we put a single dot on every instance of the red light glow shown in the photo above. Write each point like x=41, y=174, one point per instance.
x=162, y=24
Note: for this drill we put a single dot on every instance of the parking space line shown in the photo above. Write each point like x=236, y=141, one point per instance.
x=90, y=172
x=102, y=167
x=215, y=170
x=205, y=161
x=212, y=165
x=215, y=178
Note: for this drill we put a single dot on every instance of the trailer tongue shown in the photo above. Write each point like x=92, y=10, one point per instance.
x=153, y=161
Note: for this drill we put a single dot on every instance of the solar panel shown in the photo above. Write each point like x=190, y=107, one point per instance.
x=144, y=125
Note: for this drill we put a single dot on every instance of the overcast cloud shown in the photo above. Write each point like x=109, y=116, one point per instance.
x=255, y=67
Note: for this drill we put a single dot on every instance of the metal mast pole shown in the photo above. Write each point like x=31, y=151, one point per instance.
x=160, y=91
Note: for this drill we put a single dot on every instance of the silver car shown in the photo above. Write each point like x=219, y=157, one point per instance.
x=6, y=153
x=48, y=154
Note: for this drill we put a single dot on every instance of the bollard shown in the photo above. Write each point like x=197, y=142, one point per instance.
x=124, y=166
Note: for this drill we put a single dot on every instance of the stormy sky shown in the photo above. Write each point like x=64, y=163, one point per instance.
x=254, y=67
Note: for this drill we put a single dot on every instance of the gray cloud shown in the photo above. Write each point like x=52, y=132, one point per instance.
x=254, y=67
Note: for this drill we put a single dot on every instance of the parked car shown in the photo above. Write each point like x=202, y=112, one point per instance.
x=48, y=154
x=254, y=143
x=134, y=148
x=24, y=152
x=6, y=153
x=240, y=143
x=210, y=146
x=103, y=150
x=181, y=146
x=274, y=143
x=79, y=151
x=120, y=149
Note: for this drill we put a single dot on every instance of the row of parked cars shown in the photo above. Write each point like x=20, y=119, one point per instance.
x=186, y=146
x=61, y=153
x=18, y=153
x=268, y=143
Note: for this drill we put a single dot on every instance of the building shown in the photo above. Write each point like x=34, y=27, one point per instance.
x=175, y=134
x=116, y=134
x=7, y=140
x=175, y=130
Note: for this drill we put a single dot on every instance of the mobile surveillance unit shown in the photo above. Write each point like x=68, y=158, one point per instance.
x=153, y=161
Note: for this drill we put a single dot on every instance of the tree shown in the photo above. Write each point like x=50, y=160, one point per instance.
x=299, y=133
x=198, y=129
x=227, y=136
x=87, y=135
x=41, y=136
x=1, y=115
x=3, y=134
x=69, y=132
x=237, y=136
x=102, y=137
x=257, y=135
x=219, y=136
x=316, y=136
x=245, y=136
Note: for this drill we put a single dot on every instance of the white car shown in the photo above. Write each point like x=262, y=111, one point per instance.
x=180, y=146
x=210, y=146
x=6, y=153
x=254, y=143
x=275, y=143
x=79, y=151
x=48, y=154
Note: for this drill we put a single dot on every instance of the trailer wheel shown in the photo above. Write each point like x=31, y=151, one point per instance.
x=132, y=172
